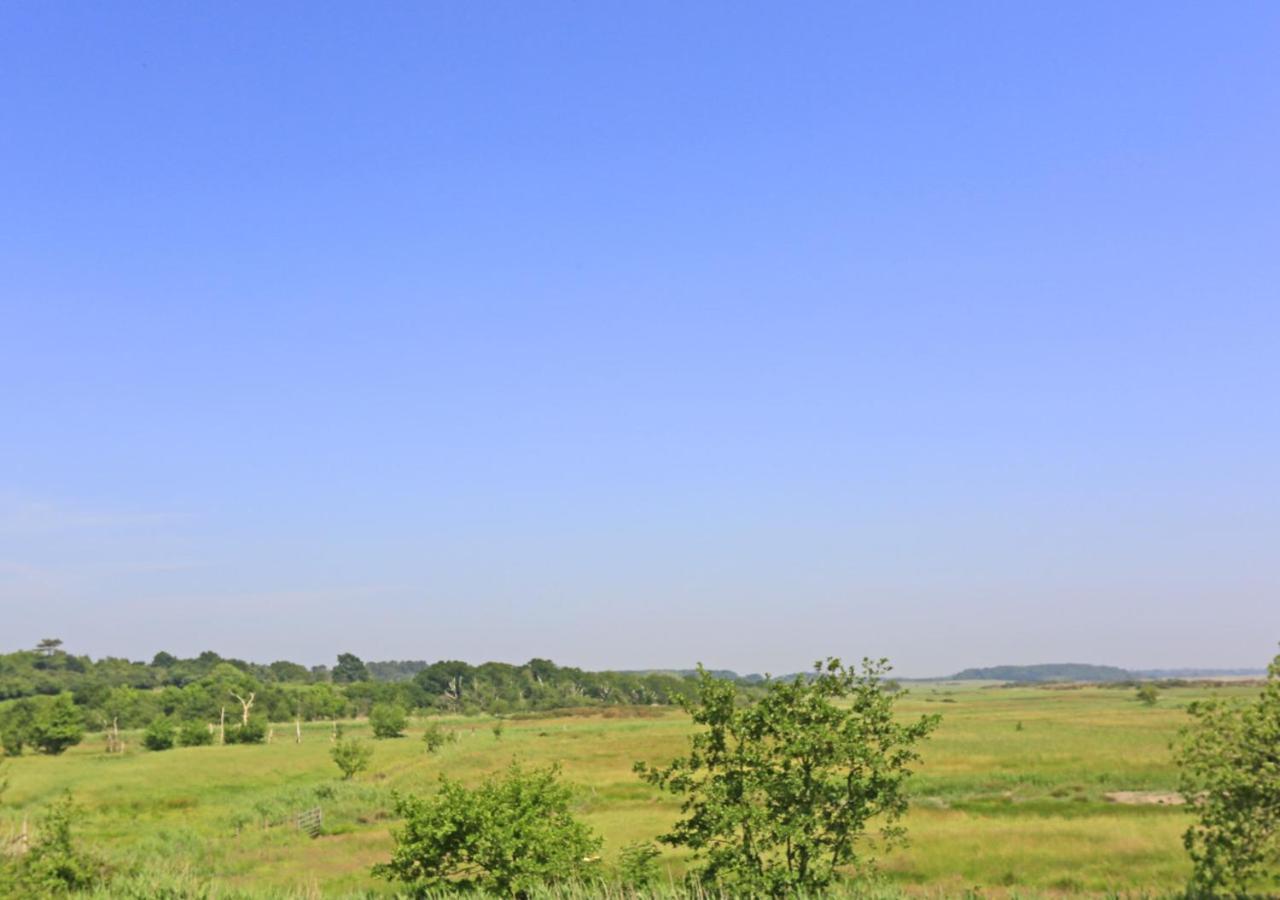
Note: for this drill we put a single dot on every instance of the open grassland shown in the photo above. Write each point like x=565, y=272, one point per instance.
x=1010, y=794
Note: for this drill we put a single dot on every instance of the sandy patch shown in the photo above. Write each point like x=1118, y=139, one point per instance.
x=1145, y=798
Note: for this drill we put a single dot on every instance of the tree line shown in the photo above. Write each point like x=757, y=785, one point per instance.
x=49, y=697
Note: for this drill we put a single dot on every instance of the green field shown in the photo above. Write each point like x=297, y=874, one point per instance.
x=1010, y=794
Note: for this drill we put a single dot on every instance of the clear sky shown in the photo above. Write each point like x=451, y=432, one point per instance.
x=636, y=334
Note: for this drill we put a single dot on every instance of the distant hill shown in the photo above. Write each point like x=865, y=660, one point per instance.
x=1156, y=674
x=1046, y=672
x=723, y=674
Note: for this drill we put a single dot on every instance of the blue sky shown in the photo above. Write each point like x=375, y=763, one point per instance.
x=641, y=334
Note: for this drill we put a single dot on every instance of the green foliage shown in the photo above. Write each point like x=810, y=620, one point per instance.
x=499, y=726
x=508, y=836
x=194, y=733
x=638, y=865
x=436, y=737
x=1147, y=694
x=160, y=734
x=350, y=668
x=132, y=694
x=778, y=793
x=351, y=755
x=1231, y=773
x=54, y=866
x=252, y=732
x=57, y=725
x=15, y=726
x=388, y=720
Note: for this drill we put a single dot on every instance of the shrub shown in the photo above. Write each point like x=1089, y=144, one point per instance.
x=638, y=866
x=54, y=864
x=351, y=755
x=252, y=732
x=159, y=734
x=436, y=737
x=193, y=733
x=498, y=727
x=1148, y=695
x=57, y=725
x=508, y=836
x=15, y=726
x=388, y=720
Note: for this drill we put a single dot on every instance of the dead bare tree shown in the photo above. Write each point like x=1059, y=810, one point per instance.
x=245, y=705
x=114, y=745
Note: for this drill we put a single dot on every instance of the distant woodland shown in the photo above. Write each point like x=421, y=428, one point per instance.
x=119, y=693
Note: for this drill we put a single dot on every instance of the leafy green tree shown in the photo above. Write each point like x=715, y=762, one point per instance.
x=159, y=734
x=16, y=724
x=58, y=725
x=284, y=671
x=779, y=793
x=351, y=755
x=508, y=836
x=388, y=720
x=194, y=733
x=446, y=679
x=226, y=683
x=350, y=669
x=1230, y=773
x=49, y=646
x=1147, y=694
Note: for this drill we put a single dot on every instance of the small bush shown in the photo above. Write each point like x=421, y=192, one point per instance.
x=351, y=755
x=388, y=720
x=638, y=865
x=436, y=737
x=498, y=727
x=54, y=864
x=509, y=836
x=160, y=734
x=194, y=734
x=252, y=732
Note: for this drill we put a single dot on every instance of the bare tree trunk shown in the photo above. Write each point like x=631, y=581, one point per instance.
x=297, y=730
x=222, y=726
x=245, y=705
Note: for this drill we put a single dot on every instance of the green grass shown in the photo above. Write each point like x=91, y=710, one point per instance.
x=993, y=806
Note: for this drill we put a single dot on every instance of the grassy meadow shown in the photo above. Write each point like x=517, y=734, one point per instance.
x=1009, y=796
